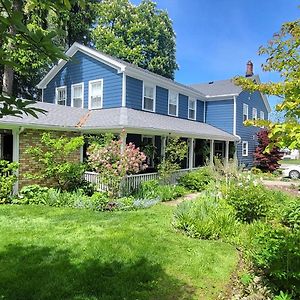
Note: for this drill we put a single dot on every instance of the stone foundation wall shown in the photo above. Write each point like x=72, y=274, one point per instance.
x=32, y=137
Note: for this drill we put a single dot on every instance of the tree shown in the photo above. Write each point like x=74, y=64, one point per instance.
x=266, y=161
x=283, y=57
x=142, y=35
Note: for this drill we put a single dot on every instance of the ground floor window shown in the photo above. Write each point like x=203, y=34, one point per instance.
x=245, y=148
x=148, y=147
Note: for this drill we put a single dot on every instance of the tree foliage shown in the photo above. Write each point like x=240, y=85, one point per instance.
x=283, y=57
x=142, y=35
x=266, y=161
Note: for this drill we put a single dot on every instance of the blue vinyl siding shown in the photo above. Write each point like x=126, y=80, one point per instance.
x=134, y=93
x=162, y=96
x=200, y=111
x=219, y=113
x=83, y=68
x=183, y=106
x=248, y=133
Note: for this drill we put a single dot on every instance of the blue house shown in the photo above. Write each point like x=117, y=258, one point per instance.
x=96, y=93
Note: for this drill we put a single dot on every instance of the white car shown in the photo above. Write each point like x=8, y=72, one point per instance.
x=292, y=171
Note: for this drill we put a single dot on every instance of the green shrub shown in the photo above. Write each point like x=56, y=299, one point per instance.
x=250, y=200
x=7, y=180
x=197, y=180
x=206, y=218
x=291, y=215
x=148, y=190
x=275, y=250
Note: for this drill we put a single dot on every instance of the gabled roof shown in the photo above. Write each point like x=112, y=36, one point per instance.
x=225, y=89
x=120, y=65
x=59, y=117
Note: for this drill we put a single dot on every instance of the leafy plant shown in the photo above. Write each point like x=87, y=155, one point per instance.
x=7, y=179
x=197, y=180
x=206, y=218
x=291, y=215
x=283, y=296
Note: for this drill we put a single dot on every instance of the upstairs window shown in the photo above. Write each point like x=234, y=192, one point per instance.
x=245, y=112
x=192, y=109
x=95, y=94
x=149, y=98
x=254, y=113
x=262, y=115
x=173, y=104
x=245, y=148
x=77, y=95
x=61, y=95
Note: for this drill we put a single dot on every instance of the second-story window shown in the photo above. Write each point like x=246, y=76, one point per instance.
x=192, y=109
x=61, y=95
x=262, y=115
x=245, y=112
x=149, y=98
x=173, y=103
x=95, y=94
x=77, y=95
x=254, y=113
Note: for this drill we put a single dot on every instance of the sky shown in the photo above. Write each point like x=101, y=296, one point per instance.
x=216, y=38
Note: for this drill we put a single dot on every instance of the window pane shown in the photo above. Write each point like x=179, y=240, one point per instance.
x=96, y=94
x=148, y=104
x=172, y=109
x=77, y=102
x=149, y=92
x=61, y=96
x=77, y=91
x=95, y=102
x=191, y=114
x=173, y=98
x=192, y=104
x=96, y=89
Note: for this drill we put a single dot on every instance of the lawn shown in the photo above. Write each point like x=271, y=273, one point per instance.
x=64, y=253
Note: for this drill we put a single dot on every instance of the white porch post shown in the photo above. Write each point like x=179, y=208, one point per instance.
x=15, y=156
x=211, y=158
x=123, y=137
x=191, y=153
x=235, y=157
x=226, y=153
x=163, y=147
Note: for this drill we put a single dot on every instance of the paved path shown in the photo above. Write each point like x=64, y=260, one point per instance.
x=188, y=197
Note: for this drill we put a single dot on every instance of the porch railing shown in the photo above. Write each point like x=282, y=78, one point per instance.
x=132, y=182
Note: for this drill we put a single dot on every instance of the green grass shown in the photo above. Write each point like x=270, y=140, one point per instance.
x=290, y=161
x=62, y=253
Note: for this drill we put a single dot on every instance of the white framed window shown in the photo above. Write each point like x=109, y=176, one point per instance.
x=95, y=94
x=192, y=109
x=245, y=111
x=262, y=115
x=254, y=113
x=244, y=148
x=61, y=95
x=77, y=91
x=149, y=97
x=173, y=104
x=148, y=141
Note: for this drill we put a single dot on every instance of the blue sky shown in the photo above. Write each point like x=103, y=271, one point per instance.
x=216, y=38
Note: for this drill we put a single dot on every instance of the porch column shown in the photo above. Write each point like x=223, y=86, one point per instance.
x=235, y=157
x=123, y=137
x=226, y=153
x=211, y=158
x=191, y=153
x=15, y=155
x=163, y=146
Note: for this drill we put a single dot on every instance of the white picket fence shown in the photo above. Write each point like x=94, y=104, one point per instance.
x=132, y=182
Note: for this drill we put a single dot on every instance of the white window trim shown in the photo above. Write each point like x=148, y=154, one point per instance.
x=195, y=100
x=90, y=85
x=254, y=113
x=262, y=115
x=245, y=143
x=177, y=103
x=247, y=114
x=56, y=93
x=154, y=96
x=72, y=93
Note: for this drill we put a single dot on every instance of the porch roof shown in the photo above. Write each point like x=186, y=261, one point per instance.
x=134, y=121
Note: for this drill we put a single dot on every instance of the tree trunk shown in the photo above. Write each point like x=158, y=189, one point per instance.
x=8, y=72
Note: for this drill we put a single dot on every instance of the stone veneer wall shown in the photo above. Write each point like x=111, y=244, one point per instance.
x=32, y=137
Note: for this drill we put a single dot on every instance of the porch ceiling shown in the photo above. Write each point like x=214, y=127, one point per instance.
x=78, y=119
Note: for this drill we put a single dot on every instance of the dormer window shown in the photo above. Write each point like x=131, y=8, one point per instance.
x=149, y=98
x=192, y=109
x=245, y=112
x=77, y=95
x=254, y=113
x=173, y=104
x=95, y=94
x=61, y=95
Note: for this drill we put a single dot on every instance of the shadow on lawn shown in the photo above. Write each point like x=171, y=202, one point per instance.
x=48, y=273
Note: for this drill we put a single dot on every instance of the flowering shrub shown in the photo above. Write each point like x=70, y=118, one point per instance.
x=113, y=164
